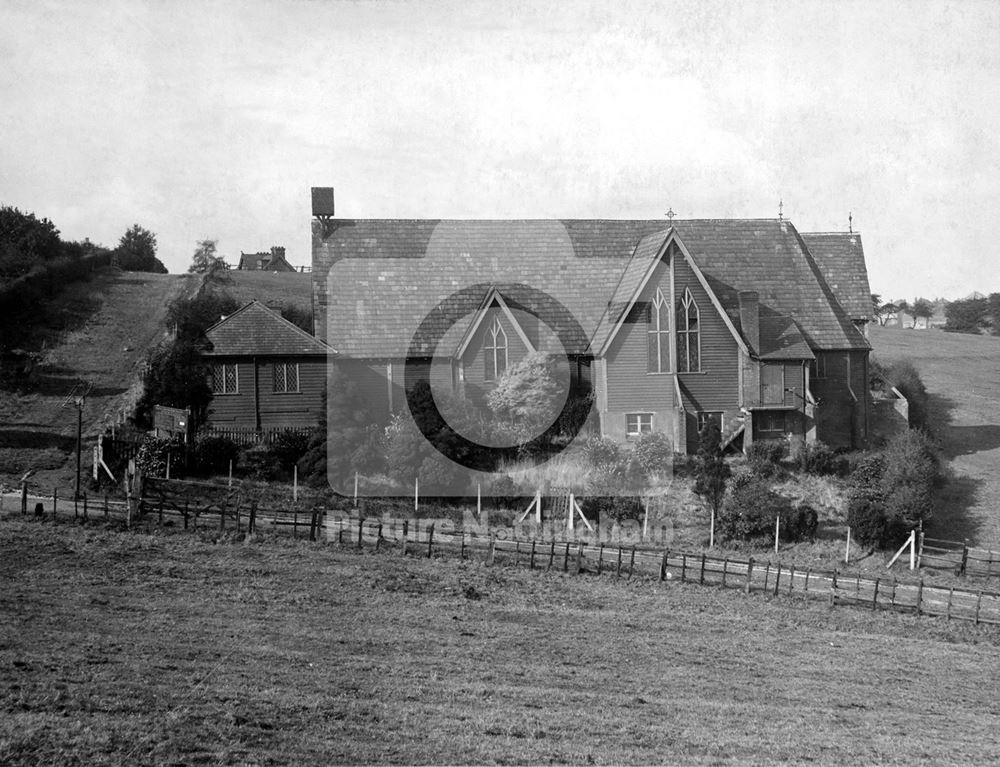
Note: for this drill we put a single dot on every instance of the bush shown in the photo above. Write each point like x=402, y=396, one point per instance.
x=603, y=452
x=799, y=524
x=751, y=509
x=818, y=458
x=653, y=453
x=891, y=490
x=904, y=376
x=288, y=447
x=768, y=451
x=213, y=454
x=151, y=457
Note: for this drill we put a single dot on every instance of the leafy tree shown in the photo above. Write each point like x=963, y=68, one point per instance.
x=966, y=316
x=176, y=376
x=204, y=259
x=136, y=251
x=885, y=312
x=25, y=241
x=876, y=303
x=921, y=309
x=528, y=394
x=711, y=470
x=193, y=316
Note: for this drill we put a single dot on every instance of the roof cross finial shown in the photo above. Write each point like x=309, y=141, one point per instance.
x=781, y=206
x=670, y=214
x=850, y=222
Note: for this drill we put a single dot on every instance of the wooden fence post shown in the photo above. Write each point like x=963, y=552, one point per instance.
x=430, y=540
x=531, y=561
x=767, y=572
x=106, y=510
x=951, y=593
x=683, y=567
x=579, y=558
x=701, y=574
x=361, y=530
x=84, y=507
x=24, y=497
x=406, y=529
x=493, y=549
x=725, y=567
x=808, y=573
x=791, y=579
x=749, y=573
x=185, y=515
x=600, y=558
x=663, y=565
x=847, y=550
x=76, y=506
x=965, y=558
x=777, y=578
x=631, y=562
x=55, y=502
x=552, y=552
x=566, y=559
x=618, y=568
x=979, y=602
x=463, y=545
x=314, y=525
x=833, y=589
x=920, y=595
x=517, y=552
x=875, y=594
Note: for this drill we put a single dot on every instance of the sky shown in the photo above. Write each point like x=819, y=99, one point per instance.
x=212, y=120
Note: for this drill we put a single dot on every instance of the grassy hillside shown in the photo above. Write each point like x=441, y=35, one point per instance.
x=962, y=375
x=282, y=288
x=124, y=648
x=98, y=332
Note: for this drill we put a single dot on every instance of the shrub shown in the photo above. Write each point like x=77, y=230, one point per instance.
x=151, y=457
x=603, y=451
x=751, y=509
x=818, y=458
x=768, y=451
x=904, y=376
x=799, y=524
x=653, y=453
x=288, y=447
x=891, y=490
x=213, y=454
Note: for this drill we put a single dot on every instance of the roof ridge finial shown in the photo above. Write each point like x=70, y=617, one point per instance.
x=670, y=214
x=781, y=206
x=850, y=222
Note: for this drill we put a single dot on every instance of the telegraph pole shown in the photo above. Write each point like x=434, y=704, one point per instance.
x=77, y=398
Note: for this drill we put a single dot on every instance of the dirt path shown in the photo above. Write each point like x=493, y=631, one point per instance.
x=962, y=376
x=124, y=318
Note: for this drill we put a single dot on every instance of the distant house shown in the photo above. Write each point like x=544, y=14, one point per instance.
x=269, y=262
x=668, y=324
x=266, y=372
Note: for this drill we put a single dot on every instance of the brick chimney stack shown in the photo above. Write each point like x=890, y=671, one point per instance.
x=750, y=317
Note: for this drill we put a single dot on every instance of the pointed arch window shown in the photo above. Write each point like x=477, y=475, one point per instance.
x=688, y=334
x=658, y=334
x=495, y=350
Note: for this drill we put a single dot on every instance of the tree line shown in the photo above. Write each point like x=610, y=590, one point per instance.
x=976, y=314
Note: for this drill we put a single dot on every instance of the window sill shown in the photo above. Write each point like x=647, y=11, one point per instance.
x=692, y=372
x=286, y=392
x=226, y=393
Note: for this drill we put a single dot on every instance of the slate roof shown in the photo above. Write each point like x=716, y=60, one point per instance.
x=780, y=339
x=376, y=279
x=841, y=258
x=255, y=330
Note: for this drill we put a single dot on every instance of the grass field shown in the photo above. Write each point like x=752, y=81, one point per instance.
x=962, y=375
x=119, y=648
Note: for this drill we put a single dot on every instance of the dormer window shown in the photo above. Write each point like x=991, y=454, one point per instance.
x=688, y=335
x=658, y=335
x=495, y=350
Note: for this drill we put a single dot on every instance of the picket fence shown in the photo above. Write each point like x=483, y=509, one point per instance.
x=576, y=557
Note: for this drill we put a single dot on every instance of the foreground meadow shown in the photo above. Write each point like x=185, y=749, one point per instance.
x=119, y=648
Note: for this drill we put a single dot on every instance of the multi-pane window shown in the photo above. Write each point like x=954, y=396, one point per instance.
x=706, y=417
x=286, y=377
x=495, y=350
x=225, y=378
x=658, y=335
x=688, y=335
x=638, y=423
